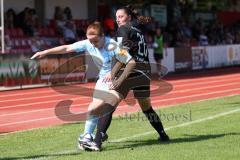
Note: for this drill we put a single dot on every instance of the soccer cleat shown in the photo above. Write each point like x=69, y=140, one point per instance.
x=164, y=137
x=84, y=139
x=80, y=146
x=104, y=136
x=91, y=146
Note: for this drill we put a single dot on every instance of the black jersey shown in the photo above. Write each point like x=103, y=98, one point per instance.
x=133, y=39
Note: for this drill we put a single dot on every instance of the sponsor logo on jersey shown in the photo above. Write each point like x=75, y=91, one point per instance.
x=122, y=52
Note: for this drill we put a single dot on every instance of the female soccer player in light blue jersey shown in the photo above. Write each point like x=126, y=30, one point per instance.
x=103, y=50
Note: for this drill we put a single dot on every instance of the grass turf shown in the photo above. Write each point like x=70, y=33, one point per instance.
x=217, y=138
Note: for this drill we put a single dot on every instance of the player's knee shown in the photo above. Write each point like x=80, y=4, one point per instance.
x=94, y=105
x=112, y=101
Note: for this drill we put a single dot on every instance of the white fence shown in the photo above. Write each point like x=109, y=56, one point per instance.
x=200, y=58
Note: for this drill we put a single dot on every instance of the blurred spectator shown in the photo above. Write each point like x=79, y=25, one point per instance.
x=59, y=18
x=184, y=32
x=149, y=38
x=36, y=44
x=185, y=29
x=215, y=33
x=186, y=8
x=67, y=13
x=179, y=40
x=196, y=28
x=21, y=17
x=8, y=43
x=29, y=19
x=237, y=39
x=58, y=13
x=158, y=46
x=10, y=19
x=229, y=38
x=36, y=21
x=25, y=20
x=203, y=39
x=69, y=33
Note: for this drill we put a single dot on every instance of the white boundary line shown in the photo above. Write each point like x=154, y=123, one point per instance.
x=147, y=133
x=180, y=125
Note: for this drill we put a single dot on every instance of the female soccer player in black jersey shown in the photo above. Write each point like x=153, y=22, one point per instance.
x=132, y=39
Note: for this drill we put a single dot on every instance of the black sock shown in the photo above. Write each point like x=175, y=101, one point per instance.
x=155, y=121
x=108, y=122
x=103, y=122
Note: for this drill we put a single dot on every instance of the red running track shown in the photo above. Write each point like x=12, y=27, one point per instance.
x=33, y=108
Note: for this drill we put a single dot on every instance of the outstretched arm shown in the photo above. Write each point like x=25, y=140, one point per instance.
x=56, y=50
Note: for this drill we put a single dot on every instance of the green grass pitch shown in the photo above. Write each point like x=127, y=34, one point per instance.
x=208, y=130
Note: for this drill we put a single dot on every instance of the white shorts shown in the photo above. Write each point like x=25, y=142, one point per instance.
x=102, y=94
x=101, y=88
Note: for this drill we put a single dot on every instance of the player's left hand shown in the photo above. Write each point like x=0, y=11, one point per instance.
x=115, y=84
x=107, y=78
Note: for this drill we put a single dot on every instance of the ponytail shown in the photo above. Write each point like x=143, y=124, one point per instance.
x=130, y=10
x=144, y=19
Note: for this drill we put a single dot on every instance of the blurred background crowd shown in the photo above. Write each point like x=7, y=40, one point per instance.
x=188, y=23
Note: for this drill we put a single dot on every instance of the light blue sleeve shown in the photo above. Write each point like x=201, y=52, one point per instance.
x=122, y=55
x=80, y=46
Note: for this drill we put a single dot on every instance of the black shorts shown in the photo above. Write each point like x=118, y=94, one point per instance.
x=158, y=56
x=138, y=82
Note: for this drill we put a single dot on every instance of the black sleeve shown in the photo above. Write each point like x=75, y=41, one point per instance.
x=123, y=32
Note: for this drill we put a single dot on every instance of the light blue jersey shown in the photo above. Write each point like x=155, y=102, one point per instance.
x=103, y=57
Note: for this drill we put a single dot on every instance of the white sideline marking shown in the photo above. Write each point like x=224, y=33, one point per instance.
x=144, y=134
x=180, y=125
